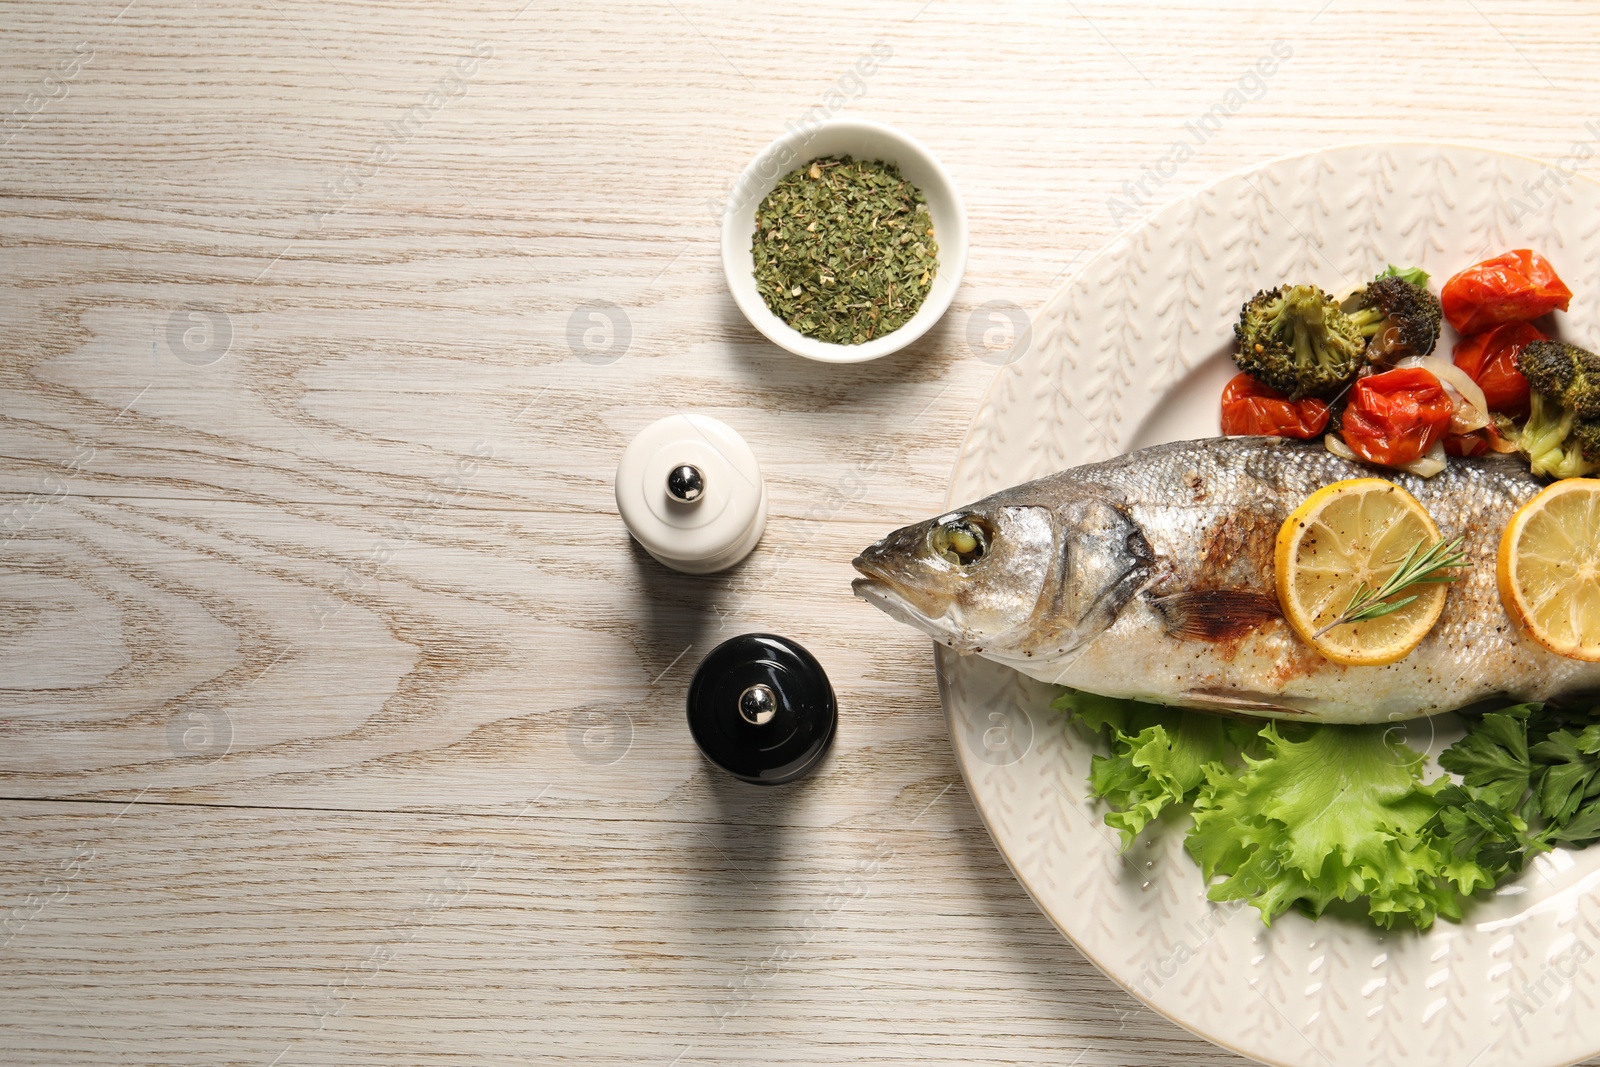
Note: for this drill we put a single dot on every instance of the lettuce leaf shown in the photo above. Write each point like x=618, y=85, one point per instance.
x=1157, y=760
x=1303, y=815
x=1340, y=814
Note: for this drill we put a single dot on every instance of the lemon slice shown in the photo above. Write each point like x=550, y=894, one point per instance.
x=1549, y=568
x=1345, y=534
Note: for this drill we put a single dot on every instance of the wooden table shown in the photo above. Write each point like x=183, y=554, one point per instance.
x=343, y=724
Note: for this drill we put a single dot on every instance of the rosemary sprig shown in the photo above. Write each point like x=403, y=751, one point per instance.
x=1422, y=565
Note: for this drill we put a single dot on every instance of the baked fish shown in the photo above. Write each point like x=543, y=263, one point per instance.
x=1151, y=576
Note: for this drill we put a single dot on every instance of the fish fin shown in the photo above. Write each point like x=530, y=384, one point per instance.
x=1240, y=701
x=1214, y=614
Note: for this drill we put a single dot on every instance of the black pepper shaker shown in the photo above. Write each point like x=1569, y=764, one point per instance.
x=761, y=708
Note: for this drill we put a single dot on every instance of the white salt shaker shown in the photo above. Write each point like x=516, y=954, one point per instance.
x=690, y=491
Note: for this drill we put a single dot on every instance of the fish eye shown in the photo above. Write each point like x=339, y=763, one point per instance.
x=962, y=541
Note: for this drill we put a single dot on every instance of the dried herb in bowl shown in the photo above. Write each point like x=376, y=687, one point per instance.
x=844, y=250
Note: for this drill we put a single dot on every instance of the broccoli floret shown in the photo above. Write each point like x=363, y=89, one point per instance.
x=1415, y=275
x=1562, y=434
x=1565, y=373
x=1296, y=340
x=1397, y=315
x=1587, y=434
x=1557, y=442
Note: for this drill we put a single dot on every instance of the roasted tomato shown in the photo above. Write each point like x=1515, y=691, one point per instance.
x=1248, y=407
x=1515, y=287
x=1490, y=359
x=1394, y=418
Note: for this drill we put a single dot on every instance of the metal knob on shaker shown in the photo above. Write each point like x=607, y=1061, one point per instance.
x=686, y=483
x=690, y=491
x=761, y=708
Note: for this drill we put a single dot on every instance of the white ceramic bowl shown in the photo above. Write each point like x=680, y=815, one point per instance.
x=861, y=140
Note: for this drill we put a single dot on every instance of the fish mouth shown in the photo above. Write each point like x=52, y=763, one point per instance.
x=876, y=592
x=877, y=588
x=870, y=571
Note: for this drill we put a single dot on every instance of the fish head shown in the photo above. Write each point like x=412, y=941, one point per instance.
x=1010, y=576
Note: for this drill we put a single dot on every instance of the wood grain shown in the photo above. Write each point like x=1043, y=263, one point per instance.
x=319, y=636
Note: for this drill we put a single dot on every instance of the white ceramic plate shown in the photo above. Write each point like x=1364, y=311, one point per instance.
x=1133, y=352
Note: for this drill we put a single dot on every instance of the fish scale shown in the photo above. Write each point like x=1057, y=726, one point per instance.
x=1093, y=575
